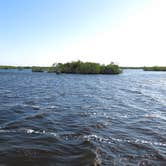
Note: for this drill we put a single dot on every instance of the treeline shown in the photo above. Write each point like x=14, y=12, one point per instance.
x=15, y=67
x=155, y=68
x=78, y=67
x=40, y=69
x=131, y=67
x=75, y=67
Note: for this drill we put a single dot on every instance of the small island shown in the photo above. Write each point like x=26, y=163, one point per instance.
x=79, y=67
x=155, y=68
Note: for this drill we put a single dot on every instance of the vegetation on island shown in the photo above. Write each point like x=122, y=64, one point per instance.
x=79, y=67
x=75, y=67
x=43, y=69
x=7, y=67
x=155, y=68
x=131, y=67
x=15, y=67
x=39, y=69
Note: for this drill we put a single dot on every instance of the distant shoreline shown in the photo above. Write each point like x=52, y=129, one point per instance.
x=155, y=68
x=52, y=69
x=79, y=67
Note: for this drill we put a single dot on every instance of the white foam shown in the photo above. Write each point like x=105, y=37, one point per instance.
x=36, y=107
x=112, y=139
x=51, y=107
x=31, y=131
x=28, y=131
x=125, y=116
x=155, y=115
x=53, y=134
x=108, y=115
x=7, y=131
x=101, y=139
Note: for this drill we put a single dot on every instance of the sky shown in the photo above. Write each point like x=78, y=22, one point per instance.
x=43, y=32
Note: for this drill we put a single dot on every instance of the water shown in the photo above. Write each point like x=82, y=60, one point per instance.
x=49, y=119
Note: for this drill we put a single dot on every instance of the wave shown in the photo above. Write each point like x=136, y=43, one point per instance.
x=90, y=137
x=110, y=140
x=28, y=131
x=157, y=115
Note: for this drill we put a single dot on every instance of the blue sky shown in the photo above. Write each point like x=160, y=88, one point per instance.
x=41, y=32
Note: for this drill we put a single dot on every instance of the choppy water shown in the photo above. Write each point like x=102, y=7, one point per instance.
x=48, y=119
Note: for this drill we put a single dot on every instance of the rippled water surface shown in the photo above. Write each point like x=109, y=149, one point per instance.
x=48, y=119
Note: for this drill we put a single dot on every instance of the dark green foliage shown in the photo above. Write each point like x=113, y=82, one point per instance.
x=50, y=69
x=131, y=67
x=37, y=69
x=79, y=67
x=15, y=67
x=76, y=67
x=8, y=67
x=41, y=69
x=89, y=68
x=110, y=69
x=155, y=68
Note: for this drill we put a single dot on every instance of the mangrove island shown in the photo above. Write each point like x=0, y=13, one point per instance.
x=79, y=67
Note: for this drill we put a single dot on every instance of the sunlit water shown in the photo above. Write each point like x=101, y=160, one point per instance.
x=48, y=119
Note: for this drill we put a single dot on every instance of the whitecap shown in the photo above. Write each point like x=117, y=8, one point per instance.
x=29, y=131
x=35, y=107
x=52, y=107
x=155, y=115
x=110, y=140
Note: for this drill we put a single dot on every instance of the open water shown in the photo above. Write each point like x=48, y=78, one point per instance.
x=82, y=120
